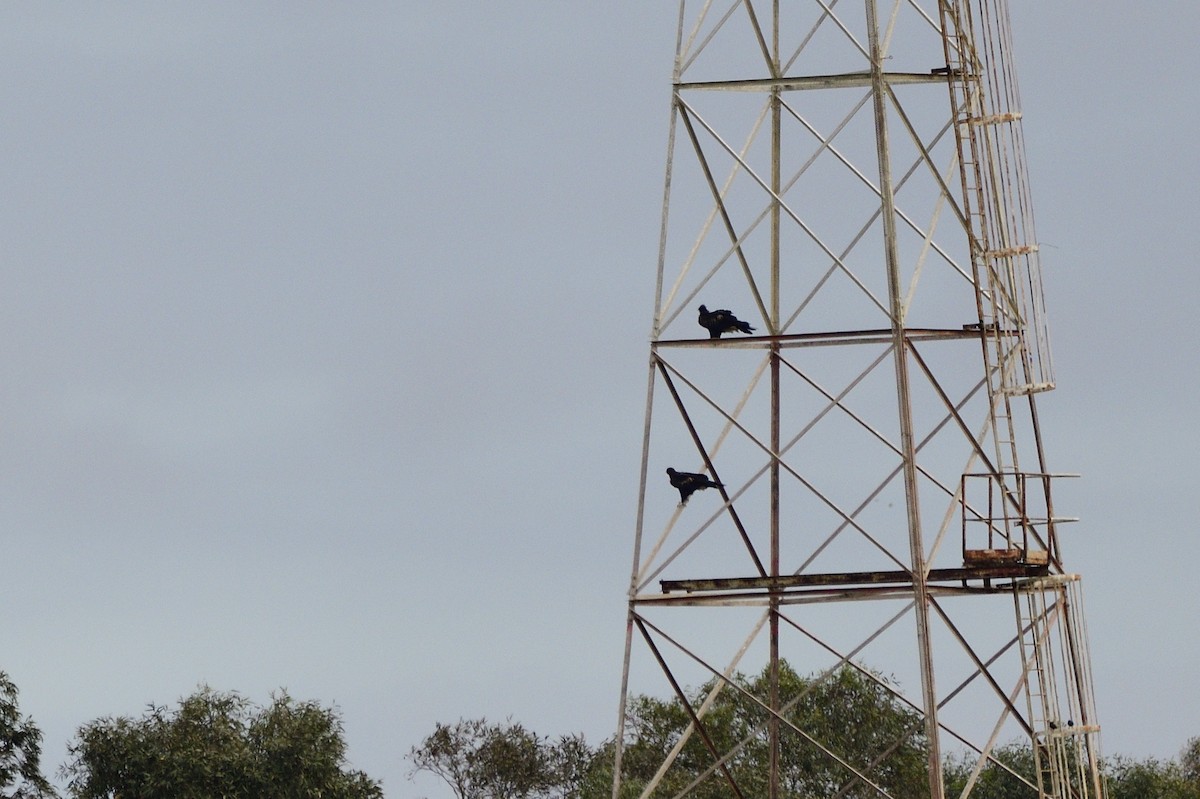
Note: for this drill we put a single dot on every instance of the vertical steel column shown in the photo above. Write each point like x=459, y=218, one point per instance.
x=773, y=608
x=879, y=94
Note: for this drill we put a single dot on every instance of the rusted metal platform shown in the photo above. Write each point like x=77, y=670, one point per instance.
x=1000, y=557
x=981, y=572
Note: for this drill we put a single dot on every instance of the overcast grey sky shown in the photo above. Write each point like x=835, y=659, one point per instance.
x=324, y=331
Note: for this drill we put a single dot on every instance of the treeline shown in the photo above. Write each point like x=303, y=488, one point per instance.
x=851, y=712
x=218, y=744
x=478, y=759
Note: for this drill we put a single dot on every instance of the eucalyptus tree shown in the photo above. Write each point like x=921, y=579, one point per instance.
x=217, y=744
x=20, y=749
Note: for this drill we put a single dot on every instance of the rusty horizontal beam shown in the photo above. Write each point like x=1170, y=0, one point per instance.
x=871, y=336
x=839, y=81
x=785, y=582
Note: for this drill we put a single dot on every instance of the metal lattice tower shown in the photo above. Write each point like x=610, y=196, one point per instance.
x=849, y=178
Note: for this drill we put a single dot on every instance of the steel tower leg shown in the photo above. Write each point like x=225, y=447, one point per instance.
x=879, y=95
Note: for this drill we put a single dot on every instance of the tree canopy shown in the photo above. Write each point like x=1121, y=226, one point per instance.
x=1125, y=777
x=1189, y=761
x=995, y=782
x=1139, y=779
x=20, y=749
x=851, y=714
x=217, y=745
x=480, y=760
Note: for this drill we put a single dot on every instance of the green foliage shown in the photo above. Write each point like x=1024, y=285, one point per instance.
x=217, y=745
x=849, y=713
x=479, y=760
x=1189, y=762
x=20, y=749
x=1125, y=777
x=1141, y=779
x=994, y=782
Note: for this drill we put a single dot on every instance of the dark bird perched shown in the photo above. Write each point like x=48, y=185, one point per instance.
x=689, y=483
x=722, y=321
